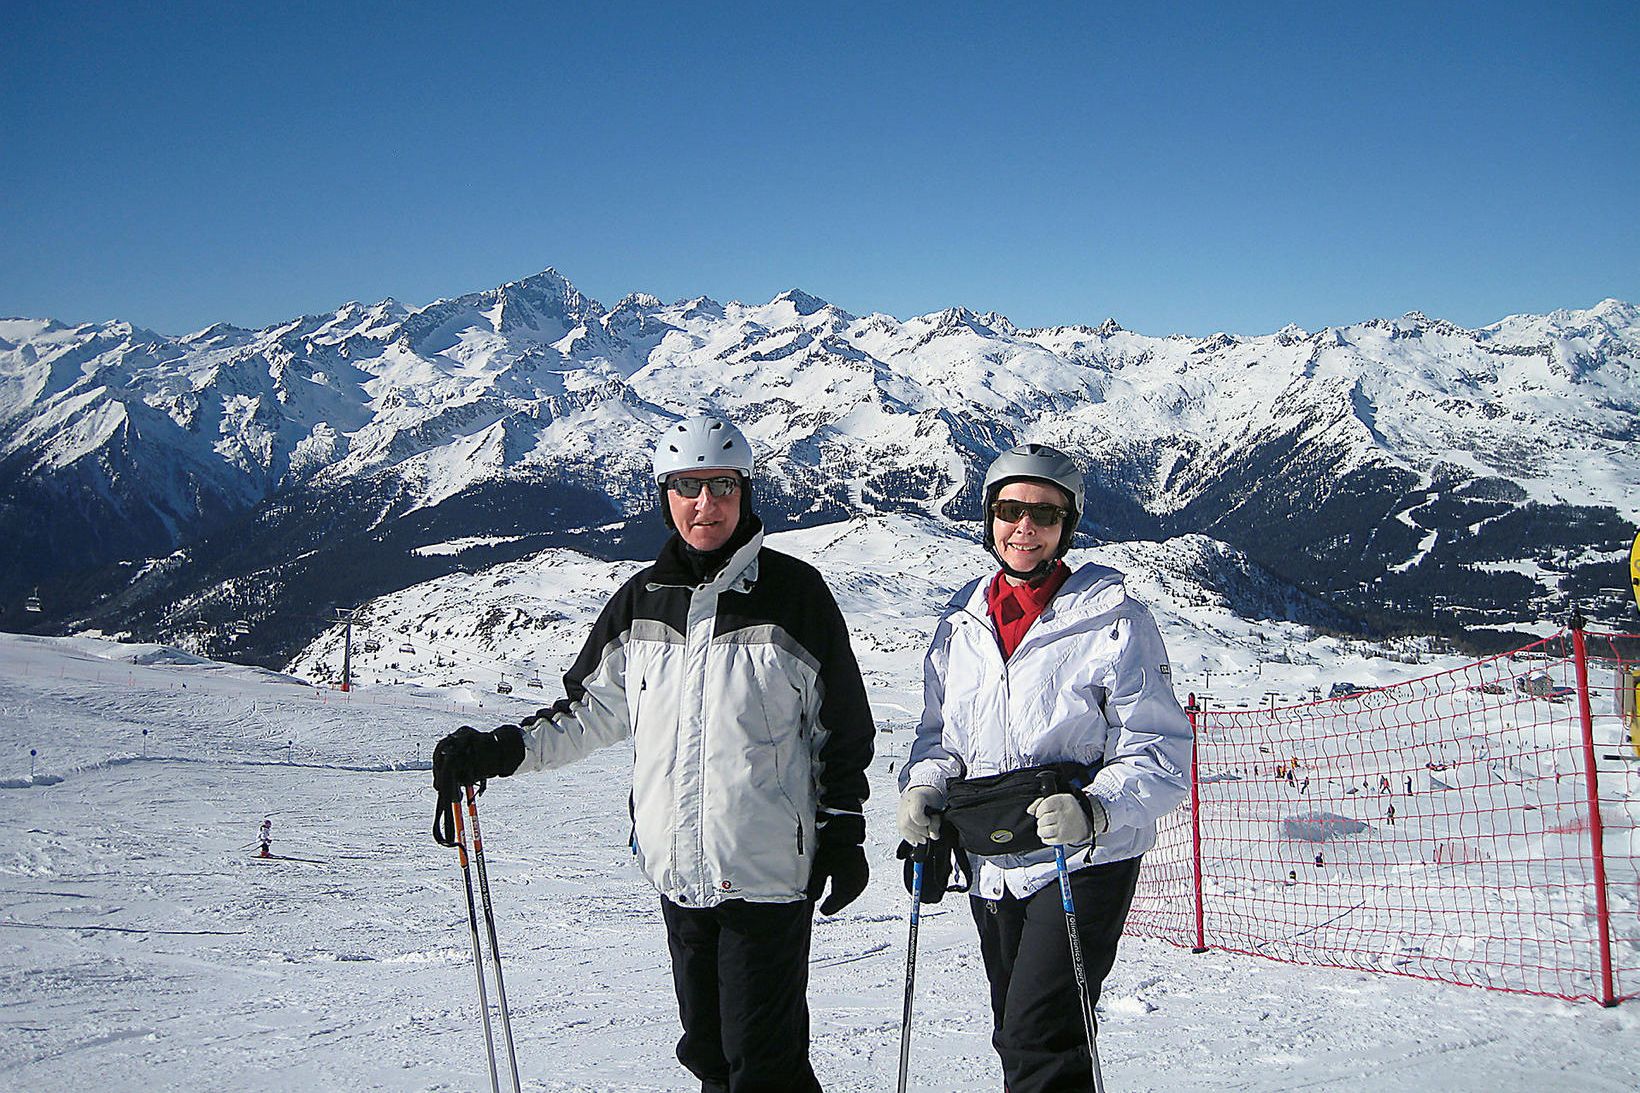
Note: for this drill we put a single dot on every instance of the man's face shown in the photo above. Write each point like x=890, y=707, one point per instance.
x=705, y=521
x=1024, y=543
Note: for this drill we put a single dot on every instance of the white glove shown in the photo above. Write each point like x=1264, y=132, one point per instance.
x=918, y=821
x=1061, y=821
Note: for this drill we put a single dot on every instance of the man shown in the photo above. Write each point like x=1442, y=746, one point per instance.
x=730, y=666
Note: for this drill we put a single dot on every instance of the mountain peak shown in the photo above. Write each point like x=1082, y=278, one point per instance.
x=802, y=301
x=1616, y=312
x=541, y=301
x=548, y=277
x=999, y=322
x=214, y=332
x=699, y=307
x=1217, y=343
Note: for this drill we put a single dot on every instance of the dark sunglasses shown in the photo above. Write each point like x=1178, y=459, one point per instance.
x=721, y=486
x=1043, y=515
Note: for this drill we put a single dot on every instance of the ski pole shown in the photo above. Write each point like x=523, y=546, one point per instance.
x=919, y=855
x=495, y=949
x=1048, y=784
x=478, y=956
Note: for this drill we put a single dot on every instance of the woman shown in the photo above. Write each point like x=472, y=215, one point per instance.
x=1035, y=665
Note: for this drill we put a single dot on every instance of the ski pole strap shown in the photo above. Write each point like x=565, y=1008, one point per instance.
x=445, y=819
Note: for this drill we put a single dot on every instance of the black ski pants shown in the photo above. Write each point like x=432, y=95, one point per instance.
x=1035, y=1008
x=741, y=971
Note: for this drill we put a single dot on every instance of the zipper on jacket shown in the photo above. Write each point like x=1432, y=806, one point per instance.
x=800, y=836
x=1010, y=752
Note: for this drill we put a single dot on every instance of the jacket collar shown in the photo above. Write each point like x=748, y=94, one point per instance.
x=739, y=572
x=1091, y=589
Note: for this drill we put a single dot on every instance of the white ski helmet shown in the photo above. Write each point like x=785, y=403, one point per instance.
x=702, y=441
x=1035, y=463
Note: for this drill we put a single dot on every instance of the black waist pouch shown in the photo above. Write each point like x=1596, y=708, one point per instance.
x=989, y=813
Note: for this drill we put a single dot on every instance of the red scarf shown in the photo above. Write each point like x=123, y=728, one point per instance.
x=1013, y=607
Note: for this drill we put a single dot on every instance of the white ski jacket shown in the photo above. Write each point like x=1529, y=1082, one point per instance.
x=748, y=716
x=1089, y=683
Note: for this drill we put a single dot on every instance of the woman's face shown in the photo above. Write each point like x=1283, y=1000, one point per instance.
x=1025, y=543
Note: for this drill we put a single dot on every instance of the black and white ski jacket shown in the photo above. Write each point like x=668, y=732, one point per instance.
x=748, y=716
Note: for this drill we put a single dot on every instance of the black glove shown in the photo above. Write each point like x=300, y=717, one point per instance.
x=468, y=757
x=942, y=859
x=840, y=859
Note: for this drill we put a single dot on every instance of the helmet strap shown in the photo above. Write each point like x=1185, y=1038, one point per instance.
x=1039, y=570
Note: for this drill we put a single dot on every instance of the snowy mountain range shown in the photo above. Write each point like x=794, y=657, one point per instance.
x=231, y=485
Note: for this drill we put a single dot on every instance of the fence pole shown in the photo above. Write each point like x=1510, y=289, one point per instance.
x=1597, y=835
x=1194, y=712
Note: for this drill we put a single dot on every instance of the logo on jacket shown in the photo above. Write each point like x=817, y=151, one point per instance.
x=726, y=886
x=1002, y=835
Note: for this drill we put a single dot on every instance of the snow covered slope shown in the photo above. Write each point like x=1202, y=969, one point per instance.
x=143, y=946
x=1226, y=620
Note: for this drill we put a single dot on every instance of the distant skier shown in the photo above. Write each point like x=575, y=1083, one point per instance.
x=1409, y=785
x=1389, y=815
x=1319, y=863
x=730, y=667
x=266, y=837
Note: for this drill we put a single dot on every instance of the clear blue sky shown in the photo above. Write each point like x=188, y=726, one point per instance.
x=1181, y=167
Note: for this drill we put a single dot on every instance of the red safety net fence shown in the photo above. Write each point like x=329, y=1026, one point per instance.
x=1479, y=826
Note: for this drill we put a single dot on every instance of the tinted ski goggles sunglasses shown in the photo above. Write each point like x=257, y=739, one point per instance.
x=1043, y=515
x=721, y=486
